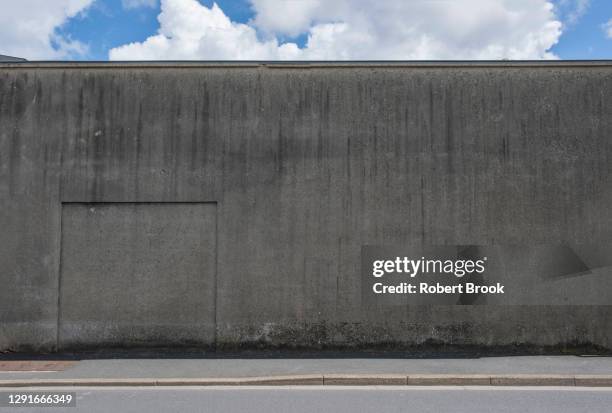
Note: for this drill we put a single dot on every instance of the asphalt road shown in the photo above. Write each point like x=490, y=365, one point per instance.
x=334, y=399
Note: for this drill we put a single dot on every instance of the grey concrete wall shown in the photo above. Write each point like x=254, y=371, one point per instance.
x=303, y=166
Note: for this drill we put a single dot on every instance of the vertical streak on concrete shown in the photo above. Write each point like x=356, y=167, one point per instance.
x=59, y=277
x=216, y=278
x=58, y=235
x=307, y=165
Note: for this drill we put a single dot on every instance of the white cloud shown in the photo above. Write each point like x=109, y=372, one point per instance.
x=28, y=28
x=573, y=10
x=290, y=17
x=189, y=30
x=134, y=4
x=581, y=8
x=354, y=29
x=607, y=27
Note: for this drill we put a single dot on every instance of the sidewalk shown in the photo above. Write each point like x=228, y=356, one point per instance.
x=519, y=370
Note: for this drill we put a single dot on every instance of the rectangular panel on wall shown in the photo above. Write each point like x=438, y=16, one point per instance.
x=137, y=274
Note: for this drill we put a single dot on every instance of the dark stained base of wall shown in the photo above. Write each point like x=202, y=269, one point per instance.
x=274, y=177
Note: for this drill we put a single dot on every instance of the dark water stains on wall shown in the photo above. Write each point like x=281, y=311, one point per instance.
x=305, y=166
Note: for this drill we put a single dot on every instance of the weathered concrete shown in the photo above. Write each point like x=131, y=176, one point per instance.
x=144, y=272
x=305, y=164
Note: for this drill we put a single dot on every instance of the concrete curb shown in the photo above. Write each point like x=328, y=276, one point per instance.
x=335, y=379
x=533, y=380
x=449, y=380
x=365, y=379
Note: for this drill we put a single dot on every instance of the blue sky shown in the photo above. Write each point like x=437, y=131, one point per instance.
x=307, y=29
x=108, y=24
x=586, y=38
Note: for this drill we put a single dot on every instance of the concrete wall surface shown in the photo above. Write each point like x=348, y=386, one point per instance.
x=217, y=204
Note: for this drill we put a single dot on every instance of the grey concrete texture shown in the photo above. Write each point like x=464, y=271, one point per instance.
x=305, y=165
x=327, y=380
x=149, y=271
x=221, y=368
x=494, y=371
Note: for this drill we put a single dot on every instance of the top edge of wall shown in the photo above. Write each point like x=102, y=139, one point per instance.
x=304, y=64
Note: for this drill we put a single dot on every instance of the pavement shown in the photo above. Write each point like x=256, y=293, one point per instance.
x=575, y=371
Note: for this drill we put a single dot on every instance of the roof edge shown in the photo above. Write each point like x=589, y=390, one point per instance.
x=5, y=58
x=305, y=64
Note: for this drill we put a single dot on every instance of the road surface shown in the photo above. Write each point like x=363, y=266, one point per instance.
x=334, y=399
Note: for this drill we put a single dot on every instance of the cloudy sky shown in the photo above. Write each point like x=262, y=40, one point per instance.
x=306, y=29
